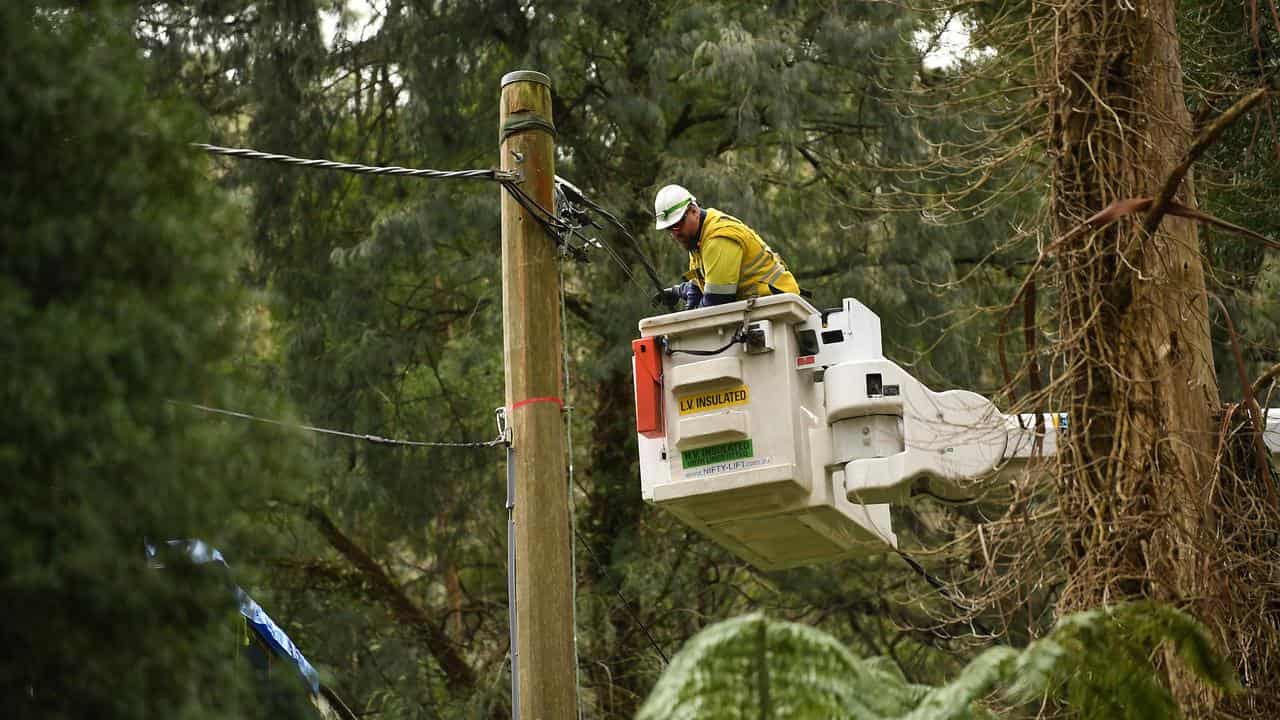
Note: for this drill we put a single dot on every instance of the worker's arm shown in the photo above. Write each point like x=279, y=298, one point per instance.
x=722, y=260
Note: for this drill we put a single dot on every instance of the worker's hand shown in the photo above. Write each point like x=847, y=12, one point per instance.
x=690, y=293
x=667, y=298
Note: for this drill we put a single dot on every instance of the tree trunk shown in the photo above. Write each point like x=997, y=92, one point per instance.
x=1137, y=377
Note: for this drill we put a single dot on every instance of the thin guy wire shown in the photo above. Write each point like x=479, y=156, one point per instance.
x=573, y=522
x=626, y=604
x=573, y=505
x=375, y=439
x=247, y=154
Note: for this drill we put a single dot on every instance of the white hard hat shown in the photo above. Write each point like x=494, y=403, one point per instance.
x=670, y=204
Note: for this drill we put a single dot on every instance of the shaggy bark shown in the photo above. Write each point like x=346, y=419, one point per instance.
x=1139, y=382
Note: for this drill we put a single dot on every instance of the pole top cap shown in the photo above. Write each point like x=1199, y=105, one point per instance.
x=525, y=76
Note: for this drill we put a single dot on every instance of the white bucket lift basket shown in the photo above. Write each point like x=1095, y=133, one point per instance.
x=735, y=444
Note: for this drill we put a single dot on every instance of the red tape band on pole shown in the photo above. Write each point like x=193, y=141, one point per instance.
x=532, y=400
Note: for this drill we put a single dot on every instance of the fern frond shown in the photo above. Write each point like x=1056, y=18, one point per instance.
x=752, y=667
x=1098, y=663
x=955, y=700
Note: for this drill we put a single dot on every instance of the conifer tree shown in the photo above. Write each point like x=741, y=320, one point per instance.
x=118, y=304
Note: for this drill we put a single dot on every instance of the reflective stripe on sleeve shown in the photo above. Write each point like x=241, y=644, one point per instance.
x=758, y=263
x=720, y=289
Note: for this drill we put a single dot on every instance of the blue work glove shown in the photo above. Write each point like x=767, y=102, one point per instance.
x=690, y=293
x=687, y=291
x=666, y=298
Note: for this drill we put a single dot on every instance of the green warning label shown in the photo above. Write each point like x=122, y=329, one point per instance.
x=712, y=454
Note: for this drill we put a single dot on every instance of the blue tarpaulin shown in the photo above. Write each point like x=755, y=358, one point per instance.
x=271, y=634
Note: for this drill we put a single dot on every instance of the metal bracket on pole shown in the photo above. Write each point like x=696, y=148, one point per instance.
x=505, y=432
x=504, y=426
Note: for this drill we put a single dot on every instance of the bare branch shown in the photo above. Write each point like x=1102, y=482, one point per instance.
x=1202, y=143
x=458, y=673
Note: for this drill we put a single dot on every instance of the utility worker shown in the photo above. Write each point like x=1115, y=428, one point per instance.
x=727, y=260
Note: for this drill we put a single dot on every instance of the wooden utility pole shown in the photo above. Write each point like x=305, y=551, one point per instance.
x=532, y=349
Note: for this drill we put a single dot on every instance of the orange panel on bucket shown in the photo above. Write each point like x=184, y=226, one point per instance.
x=648, y=374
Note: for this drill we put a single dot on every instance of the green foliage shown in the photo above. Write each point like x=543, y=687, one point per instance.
x=117, y=298
x=1097, y=664
x=1223, y=61
x=382, y=296
x=752, y=667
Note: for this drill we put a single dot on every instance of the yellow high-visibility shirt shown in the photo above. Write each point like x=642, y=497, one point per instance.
x=730, y=258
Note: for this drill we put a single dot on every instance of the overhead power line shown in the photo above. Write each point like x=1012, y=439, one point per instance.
x=558, y=227
x=245, y=153
x=375, y=439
